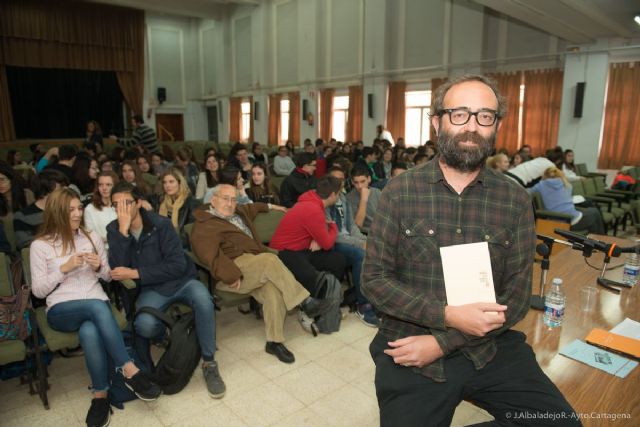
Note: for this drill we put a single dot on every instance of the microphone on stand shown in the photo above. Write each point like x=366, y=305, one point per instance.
x=609, y=250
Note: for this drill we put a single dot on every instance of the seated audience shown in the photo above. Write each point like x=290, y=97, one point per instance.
x=420, y=158
x=158, y=164
x=368, y=160
x=239, y=157
x=14, y=158
x=94, y=132
x=66, y=263
x=84, y=171
x=224, y=238
x=13, y=194
x=282, y=163
x=305, y=239
x=209, y=178
x=144, y=247
x=623, y=181
x=99, y=213
x=292, y=148
x=27, y=220
x=300, y=181
x=398, y=168
x=529, y=172
x=499, y=162
x=175, y=202
x=129, y=172
x=555, y=190
x=351, y=243
x=568, y=167
x=363, y=199
x=66, y=157
x=517, y=160
x=231, y=175
x=188, y=168
x=258, y=155
x=260, y=187
x=383, y=167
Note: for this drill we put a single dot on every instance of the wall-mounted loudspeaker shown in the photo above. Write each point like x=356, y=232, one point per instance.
x=162, y=94
x=370, y=105
x=255, y=110
x=579, y=102
x=220, y=111
x=305, y=109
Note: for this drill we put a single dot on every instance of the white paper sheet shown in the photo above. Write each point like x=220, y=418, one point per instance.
x=467, y=273
x=628, y=328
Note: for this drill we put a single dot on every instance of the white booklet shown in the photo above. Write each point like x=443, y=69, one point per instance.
x=467, y=273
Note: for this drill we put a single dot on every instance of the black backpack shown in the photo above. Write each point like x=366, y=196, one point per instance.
x=181, y=356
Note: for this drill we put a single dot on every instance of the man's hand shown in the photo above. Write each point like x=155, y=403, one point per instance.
x=124, y=273
x=418, y=350
x=475, y=319
x=278, y=208
x=364, y=194
x=123, y=212
x=74, y=261
x=236, y=285
x=314, y=246
x=93, y=260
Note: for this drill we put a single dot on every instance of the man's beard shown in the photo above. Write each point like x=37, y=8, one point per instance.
x=465, y=158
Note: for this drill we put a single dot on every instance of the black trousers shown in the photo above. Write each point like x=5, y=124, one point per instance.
x=305, y=265
x=511, y=387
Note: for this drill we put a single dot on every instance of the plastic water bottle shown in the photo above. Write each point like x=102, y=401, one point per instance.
x=631, y=269
x=554, y=303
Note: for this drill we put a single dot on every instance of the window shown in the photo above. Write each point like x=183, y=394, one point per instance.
x=340, y=116
x=417, y=121
x=245, y=118
x=284, y=121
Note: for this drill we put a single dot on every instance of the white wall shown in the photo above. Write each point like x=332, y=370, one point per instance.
x=307, y=45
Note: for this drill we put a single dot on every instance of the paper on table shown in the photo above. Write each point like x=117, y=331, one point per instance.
x=599, y=358
x=627, y=328
x=467, y=273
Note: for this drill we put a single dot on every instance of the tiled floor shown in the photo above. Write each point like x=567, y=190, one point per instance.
x=330, y=384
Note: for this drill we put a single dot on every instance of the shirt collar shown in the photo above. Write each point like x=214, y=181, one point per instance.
x=218, y=214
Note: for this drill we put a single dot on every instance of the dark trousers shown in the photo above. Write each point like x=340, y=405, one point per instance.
x=511, y=387
x=305, y=265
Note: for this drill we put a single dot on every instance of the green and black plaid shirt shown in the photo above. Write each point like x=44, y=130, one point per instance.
x=418, y=213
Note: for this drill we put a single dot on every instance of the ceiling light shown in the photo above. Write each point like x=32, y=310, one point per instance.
x=637, y=19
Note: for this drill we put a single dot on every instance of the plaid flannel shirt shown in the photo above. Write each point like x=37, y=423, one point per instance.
x=402, y=276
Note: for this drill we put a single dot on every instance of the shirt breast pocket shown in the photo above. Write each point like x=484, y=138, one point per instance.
x=500, y=242
x=418, y=241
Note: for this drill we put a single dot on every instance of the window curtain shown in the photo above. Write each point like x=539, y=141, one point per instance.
x=274, y=119
x=541, y=109
x=435, y=83
x=294, y=117
x=235, y=119
x=396, y=109
x=354, y=120
x=326, y=113
x=74, y=35
x=7, y=130
x=509, y=87
x=250, y=119
x=620, y=142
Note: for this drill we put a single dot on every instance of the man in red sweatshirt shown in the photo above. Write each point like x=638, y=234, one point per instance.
x=305, y=239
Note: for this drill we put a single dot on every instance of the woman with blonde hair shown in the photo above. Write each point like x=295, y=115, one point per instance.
x=499, y=162
x=66, y=263
x=176, y=201
x=555, y=190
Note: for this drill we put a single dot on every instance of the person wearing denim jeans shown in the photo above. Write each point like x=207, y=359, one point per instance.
x=66, y=263
x=145, y=247
x=351, y=243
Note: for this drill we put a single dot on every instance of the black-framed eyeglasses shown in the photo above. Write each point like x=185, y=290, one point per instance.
x=461, y=116
x=127, y=202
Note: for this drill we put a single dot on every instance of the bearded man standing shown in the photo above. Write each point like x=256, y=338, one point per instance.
x=429, y=355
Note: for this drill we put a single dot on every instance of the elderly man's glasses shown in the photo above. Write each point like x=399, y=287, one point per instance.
x=461, y=116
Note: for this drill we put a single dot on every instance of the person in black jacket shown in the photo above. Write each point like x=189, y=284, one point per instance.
x=300, y=180
x=144, y=246
x=176, y=201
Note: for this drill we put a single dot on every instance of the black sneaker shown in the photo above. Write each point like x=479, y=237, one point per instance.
x=143, y=387
x=215, y=385
x=99, y=413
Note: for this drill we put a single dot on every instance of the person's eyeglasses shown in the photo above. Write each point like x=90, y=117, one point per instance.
x=461, y=116
x=126, y=203
x=227, y=199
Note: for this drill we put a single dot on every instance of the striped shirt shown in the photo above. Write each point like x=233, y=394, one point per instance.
x=418, y=213
x=142, y=135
